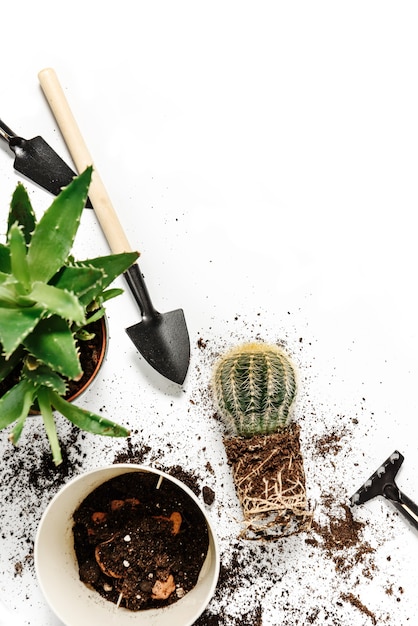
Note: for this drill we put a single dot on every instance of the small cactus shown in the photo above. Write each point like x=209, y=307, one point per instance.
x=254, y=386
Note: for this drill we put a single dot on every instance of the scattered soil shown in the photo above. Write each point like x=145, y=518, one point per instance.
x=331, y=443
x=341, y=539
x=256, y=576
x=250, y=618
x=270, y=482
x=208, y=495
x=140, y=544
x=350, y=597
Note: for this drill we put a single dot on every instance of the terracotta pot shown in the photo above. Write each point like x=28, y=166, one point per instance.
x=91, y=365
x=100, y=350
x=57, y=568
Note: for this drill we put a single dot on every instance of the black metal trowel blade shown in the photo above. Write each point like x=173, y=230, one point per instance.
x=161, y=338
x=163, y=341
x=35, y=159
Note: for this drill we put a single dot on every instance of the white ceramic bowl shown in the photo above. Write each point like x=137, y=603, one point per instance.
x=57, y=568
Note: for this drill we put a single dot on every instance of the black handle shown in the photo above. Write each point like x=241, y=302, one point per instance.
x=139, y=291
x=16, y=143
x=403, y=504
x=5, y=132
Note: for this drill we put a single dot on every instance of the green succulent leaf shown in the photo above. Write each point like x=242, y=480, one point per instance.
x=44, y=376
x=111, y=293
x=8, y=365
x=83, y=334
x=16, y=325
x=21, y=212
x=18, y=427
x=53, y=343
x=16, y=403
x=112, y=266
x=94, y=317
x=5, y=266
x=55, y=232
x=58, y=301
x=19, y=263
x=78, y=280
x=8, y=295
x=85, y=420
x=49, y=423
x=4, y=278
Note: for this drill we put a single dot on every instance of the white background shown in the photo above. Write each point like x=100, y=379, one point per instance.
x=263, y=157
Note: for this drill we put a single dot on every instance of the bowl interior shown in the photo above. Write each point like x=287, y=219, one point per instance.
x=57, y=567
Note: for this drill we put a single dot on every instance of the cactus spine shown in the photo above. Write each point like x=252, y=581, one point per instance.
x=254, y=387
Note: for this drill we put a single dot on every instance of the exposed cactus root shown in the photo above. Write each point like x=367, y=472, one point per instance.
x=270, y=482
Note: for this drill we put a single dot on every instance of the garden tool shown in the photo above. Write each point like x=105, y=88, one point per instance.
x=382, y=483
x=36, y=160
x=161, y=338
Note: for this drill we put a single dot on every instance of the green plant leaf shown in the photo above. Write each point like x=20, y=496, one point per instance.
x=8, y=365
x=53, y=343
x=21, y=212
x=4, y=278
x=16, y=325
x=19, y=263
x=44, y=376
x=58, y=301
x=112, y=266
x=16, y=403
x=49, y=423
x=18, y=427
x=54, y=234
x=83, y=334
x=94, y=317
x=111, y=293
x=8, y=296
x=77, y=280
x=90, y=422
x=5, y=259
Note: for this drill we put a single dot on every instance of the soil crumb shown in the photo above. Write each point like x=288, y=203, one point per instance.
x=341, y=537
x=140, y=544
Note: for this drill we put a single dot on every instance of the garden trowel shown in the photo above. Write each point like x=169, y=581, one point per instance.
x=35, y=159
x=382, y=483
x=161, y=338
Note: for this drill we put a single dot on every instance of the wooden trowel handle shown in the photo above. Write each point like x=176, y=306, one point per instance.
x=98, y=195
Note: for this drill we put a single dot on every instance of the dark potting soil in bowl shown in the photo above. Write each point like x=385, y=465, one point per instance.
x=138, y=543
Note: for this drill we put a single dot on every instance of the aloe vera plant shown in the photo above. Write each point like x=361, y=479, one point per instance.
x=47, y=301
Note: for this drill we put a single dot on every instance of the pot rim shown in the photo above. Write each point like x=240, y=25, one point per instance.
x=57, y=568
x=102, y=356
